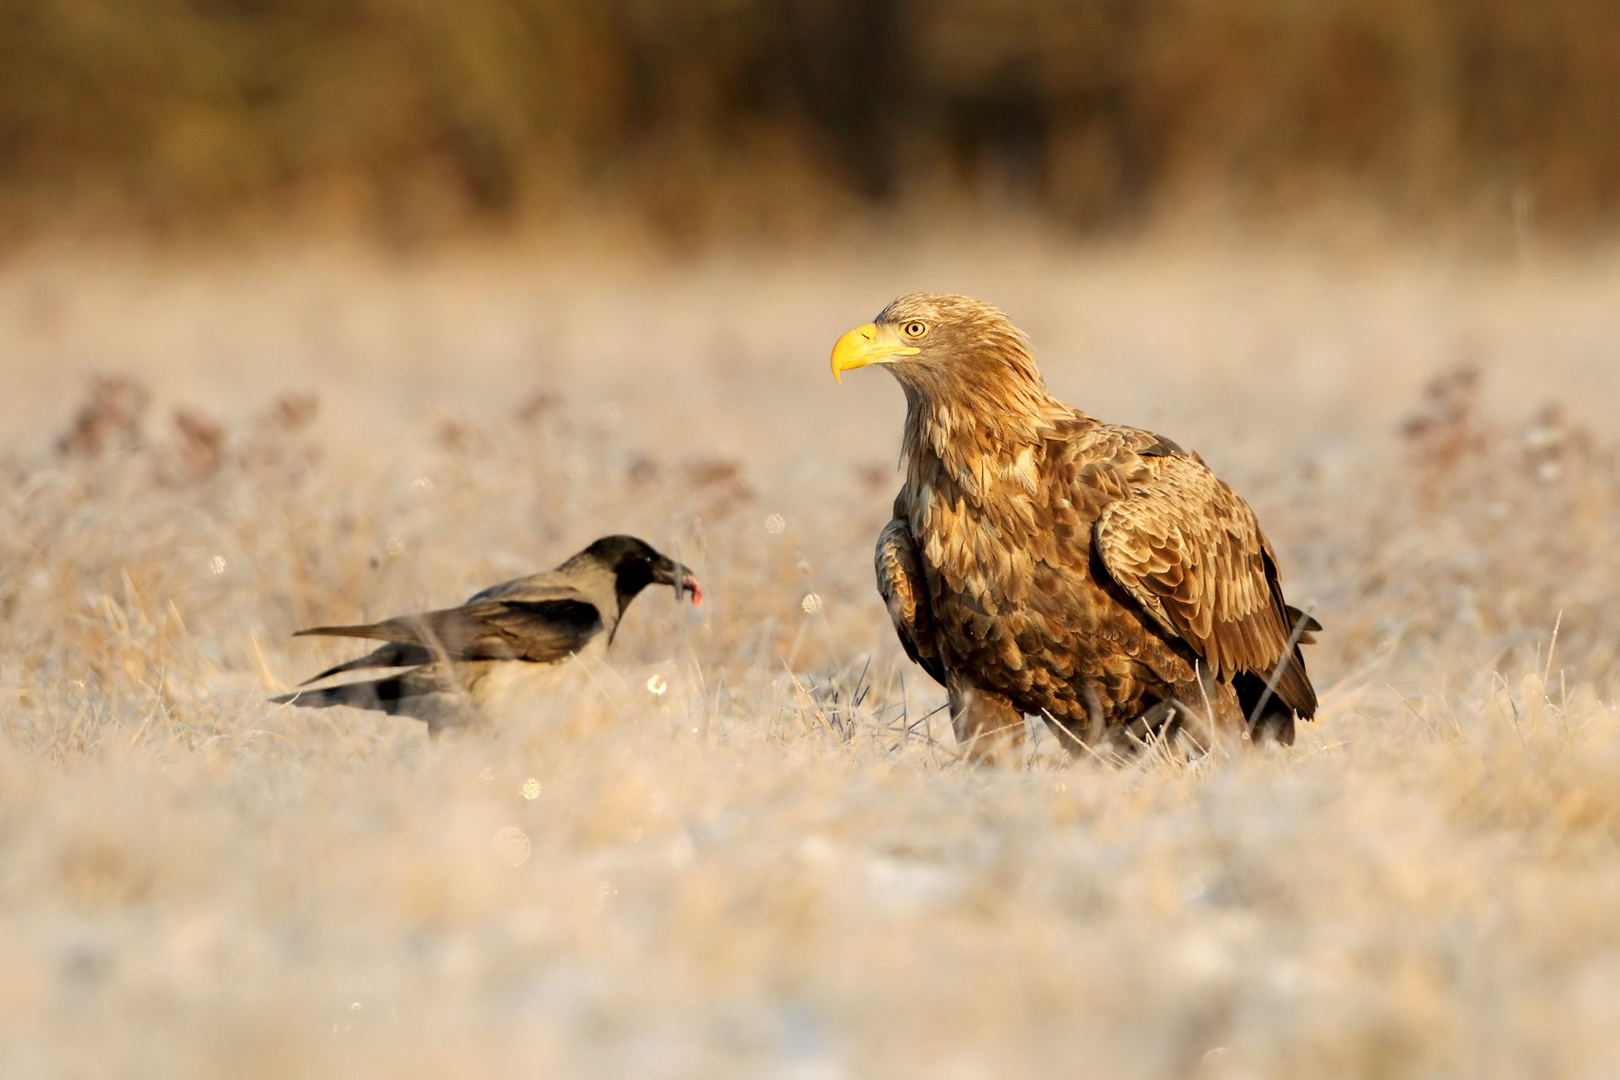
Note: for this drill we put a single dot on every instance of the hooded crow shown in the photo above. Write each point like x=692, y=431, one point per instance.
x=512, y=638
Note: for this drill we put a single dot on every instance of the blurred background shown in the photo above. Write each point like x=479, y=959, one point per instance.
x=724, y=118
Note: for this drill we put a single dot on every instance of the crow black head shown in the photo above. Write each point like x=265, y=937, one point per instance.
x=637, y=564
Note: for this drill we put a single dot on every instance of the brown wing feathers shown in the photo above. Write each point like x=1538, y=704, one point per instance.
x=1192, y=554
x=900, y=583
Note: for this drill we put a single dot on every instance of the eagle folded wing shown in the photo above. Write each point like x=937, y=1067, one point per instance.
x=900, y=583
x=1190, y=551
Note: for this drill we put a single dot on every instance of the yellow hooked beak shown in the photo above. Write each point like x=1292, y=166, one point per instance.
x=869, y=344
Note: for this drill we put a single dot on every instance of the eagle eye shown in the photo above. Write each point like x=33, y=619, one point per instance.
x=915, y=329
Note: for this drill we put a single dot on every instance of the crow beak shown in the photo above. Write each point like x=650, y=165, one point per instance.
x=670, y=572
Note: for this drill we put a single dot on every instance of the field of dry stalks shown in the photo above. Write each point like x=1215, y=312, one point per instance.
x=746, y=848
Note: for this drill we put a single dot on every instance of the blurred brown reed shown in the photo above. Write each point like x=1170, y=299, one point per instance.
x=759, y=115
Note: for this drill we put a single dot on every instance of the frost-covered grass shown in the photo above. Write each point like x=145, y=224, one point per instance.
x=776, y=866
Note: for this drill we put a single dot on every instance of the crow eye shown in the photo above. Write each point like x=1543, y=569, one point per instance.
x=916, y=329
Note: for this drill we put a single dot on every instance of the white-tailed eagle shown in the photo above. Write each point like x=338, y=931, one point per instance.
x=1041, y=562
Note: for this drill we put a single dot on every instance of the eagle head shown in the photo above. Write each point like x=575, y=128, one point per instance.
x=930, y=342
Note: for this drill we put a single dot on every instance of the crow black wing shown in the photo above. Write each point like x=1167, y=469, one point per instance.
x=538, y=631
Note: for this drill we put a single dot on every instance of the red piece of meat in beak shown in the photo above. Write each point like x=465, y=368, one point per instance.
x=689, y=586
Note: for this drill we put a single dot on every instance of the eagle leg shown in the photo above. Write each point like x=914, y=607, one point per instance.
x=1096, y=722
x=1206, y=715
x=987, y=725
x=1163, y=718
x=1092, y=737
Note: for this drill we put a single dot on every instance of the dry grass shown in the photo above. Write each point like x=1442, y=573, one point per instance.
x=774, y=867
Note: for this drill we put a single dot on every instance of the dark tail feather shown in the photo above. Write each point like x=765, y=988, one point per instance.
x=1293, y=686
x=384, y=631
x=1289, y=681
x=385, y=695
x=1271, y=711
x=1307, y=624
x=1294, y=683
x=396, y=654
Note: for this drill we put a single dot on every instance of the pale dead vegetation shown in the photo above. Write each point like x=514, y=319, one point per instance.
x=775, y=865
